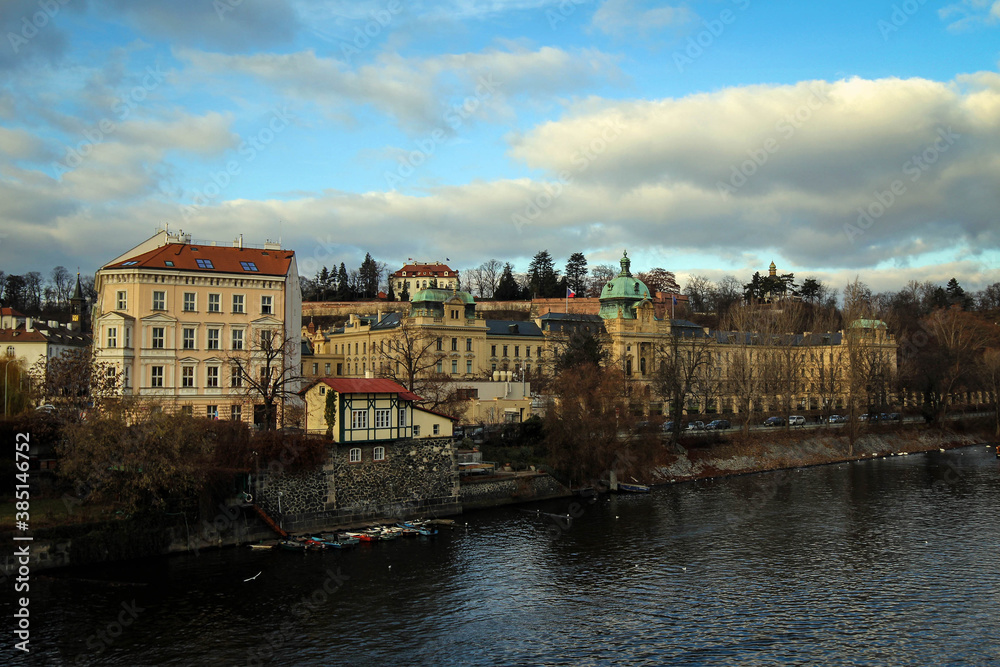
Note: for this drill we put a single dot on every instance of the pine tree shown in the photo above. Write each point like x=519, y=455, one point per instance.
x=343, y=284
x=576, y=273
x=542, y=277
x=507, y=287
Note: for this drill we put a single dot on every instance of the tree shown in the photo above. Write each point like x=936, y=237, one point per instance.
x=987, y=299
x=699, y=293
x=343, y=284
x=600, y=276
x=590, y=428
x=369, y=277
x=77, y=382
x=754, y=290
x=660, y=280
x=988, y=372
x=746, y=352
x=15, y=292
x=576, y=273
x=330, y=412
x=960, y=337
x=542, y=276
x=810, y=290
x=507, y=287
x=404, y=294
x=264, y=371
x=489, y=276
x=62, y=286
x=957, y=296
x=581, y=348
x=409, y=353
x=685, y=369
x=727, y=292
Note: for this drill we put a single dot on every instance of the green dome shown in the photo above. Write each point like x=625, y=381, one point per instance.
x=439, y=295
x=430, y=302
x=623, y=293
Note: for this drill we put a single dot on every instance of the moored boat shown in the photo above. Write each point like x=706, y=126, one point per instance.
x=632, y=488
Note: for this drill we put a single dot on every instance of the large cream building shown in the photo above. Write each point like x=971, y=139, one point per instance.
x=809, y=371
x=176, y=318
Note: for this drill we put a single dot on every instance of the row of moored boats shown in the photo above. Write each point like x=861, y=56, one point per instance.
x=344, y=539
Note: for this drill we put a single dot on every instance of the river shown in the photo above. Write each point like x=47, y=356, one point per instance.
x=891, y=562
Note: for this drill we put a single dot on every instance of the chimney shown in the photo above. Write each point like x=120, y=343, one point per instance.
x=29, y=324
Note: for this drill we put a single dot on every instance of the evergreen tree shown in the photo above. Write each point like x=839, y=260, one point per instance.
x=404, y=294
x=369, y=277
x=956, y=295
x=343, y=284
x=542, y=277
x=576, y=273
x=507, y=287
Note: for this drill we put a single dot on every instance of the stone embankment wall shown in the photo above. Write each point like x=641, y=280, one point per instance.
x=494, y=491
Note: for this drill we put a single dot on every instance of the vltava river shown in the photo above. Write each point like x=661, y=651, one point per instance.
x=886, y=562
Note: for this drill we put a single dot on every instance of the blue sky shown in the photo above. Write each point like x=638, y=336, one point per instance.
x=709, y=138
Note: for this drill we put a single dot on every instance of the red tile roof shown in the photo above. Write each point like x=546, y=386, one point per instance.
x=223, y=259
x=424, y=270
x=369, y=386
x=10, y=312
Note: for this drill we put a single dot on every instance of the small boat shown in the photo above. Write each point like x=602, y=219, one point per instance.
x=390, y=533
x=422, y=527
x=364, y=536
x=263, y=545
x=340, y=540
x=632, y=488
x=292, y=545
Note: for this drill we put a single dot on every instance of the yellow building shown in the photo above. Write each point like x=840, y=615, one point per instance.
x=179, y=320
x=422, y=275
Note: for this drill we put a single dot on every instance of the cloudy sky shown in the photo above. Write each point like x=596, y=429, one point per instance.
x=857, y=138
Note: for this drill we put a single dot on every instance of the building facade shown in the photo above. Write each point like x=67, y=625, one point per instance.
x=422, y=275
x=180, y=319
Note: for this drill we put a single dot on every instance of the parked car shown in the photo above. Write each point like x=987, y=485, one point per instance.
x=668, y=426
x=837, y=419
x=774, y=421
x=797, y=420
x=894, y=417
x=696, y=426
x=717, y=424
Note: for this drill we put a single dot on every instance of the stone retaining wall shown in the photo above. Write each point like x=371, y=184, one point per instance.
x=492, y=492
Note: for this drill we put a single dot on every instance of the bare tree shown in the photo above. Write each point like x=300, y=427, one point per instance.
x=746, y=359
x=62, y=285
x=699, y=291
x=600, y=276
x=489, y=271
x=264, y=372
x=409, y=353
x=685, y=369
x=988, y=370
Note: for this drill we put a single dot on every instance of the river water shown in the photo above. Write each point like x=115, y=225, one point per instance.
x=885, y=562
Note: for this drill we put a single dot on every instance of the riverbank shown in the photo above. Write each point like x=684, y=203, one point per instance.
x=759, y=452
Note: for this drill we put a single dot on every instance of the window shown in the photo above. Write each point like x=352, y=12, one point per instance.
x=167, y=262
x=315, y=369
x=454, y=314
x=213, y=339
x=326, y=369
x=112, y=339
x=156, y=376
x=248, y=266
x=188, y=342
x=130, y=263
x=416, y=430
x=437, y=429
x=468, y=345
x=212, y=376
x=468, y=366
x=505, y=350
x=355, y=455
x=527, y=351
x=212, y=411
x=517, y=350
x=187, y=377
x=127, y=380
x=215, y=303
x=454, y=345
x=382, y=418
x=189, y=302
x=237, y=303
x=237, y=339
x=122, y=300
x=454, y=366
x=266, y=305
x=340, y=369
x=378, y=454
x=159, y=300
x=10, y=350
x=158, y=338
x=204, y=263
x=402, y=418
x=128, y=337
x=187, y=410
x=439, y=367
x=440, y=344
x=236, y=413
x=493, y=350
x=235, y=377
x=359, y=419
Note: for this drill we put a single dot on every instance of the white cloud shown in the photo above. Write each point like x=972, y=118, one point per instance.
x=970, y=13
x=626, y=18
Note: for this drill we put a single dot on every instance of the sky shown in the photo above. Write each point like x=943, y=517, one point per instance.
x=857, y=139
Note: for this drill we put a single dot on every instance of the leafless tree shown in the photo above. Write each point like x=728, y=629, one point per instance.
x=601, y=275
x=409, y=353
x=684, y=370
x=264, y=373
x=489, y=271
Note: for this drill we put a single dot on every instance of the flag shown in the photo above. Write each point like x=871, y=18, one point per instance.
x=569, y=293
x=675, y=299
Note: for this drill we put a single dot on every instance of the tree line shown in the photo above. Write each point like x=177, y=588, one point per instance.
x=37, y=295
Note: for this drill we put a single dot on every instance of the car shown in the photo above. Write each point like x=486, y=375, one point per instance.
x=894, y=417
x=837, y=419
x=696, y=426
x=774, y=421
x=668, y=426
x=796, y=420
x=717, y=425
x=48, y=407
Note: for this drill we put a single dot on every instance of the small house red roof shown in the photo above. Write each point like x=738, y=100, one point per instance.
x=369, y=386
x=10, y=312
x=221, y=259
